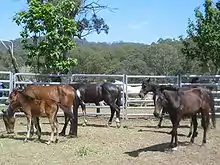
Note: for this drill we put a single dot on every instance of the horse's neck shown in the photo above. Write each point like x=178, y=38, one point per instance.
x=23, y=98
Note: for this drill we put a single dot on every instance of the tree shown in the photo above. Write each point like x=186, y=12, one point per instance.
x=38, y=22
x=203, y=40
x=85, y=13
x=51, y=31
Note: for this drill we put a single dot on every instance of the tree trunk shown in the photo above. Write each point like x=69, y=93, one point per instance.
x=13, y=59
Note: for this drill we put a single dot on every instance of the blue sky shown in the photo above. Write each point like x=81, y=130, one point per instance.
x=143, y=21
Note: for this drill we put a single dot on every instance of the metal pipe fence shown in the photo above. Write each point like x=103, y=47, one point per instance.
x=132, y=105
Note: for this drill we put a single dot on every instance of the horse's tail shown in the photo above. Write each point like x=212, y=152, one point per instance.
x=118, y=101
x=213, y=116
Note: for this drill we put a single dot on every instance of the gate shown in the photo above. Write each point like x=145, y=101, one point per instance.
x=209, y=81
x=6, y=82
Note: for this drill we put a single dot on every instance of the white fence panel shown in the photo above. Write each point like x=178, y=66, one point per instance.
x=6, y=79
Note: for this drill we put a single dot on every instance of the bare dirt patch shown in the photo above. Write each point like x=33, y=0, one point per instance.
x=136, y=142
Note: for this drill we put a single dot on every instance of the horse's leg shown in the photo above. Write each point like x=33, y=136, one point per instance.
x=37, y=126
x=191, y=127
x=57, y=131
x=32, y=128
x=117, y=120
x=53, y=126
x=83, y=106
x=195, y=124
x=74, y=121
x=28, y=127
x=111, y=117
x=67, y=119
x=205, y=124
x=98, y=109
x=175, y=121
x=161, y=119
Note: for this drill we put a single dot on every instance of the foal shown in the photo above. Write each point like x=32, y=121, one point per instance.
x=35, y=108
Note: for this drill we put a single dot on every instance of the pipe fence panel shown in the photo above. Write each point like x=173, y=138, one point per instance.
x=6, y=86
x=211, y=82
x=132, y=105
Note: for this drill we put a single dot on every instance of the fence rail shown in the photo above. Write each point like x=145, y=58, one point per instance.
x=131, y=105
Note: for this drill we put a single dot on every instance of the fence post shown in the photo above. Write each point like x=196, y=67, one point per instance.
x=179, y=80
x=11, y=84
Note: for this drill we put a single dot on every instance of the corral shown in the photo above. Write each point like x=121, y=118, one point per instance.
x=136, y=142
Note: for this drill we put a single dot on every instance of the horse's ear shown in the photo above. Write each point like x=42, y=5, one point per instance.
x=17, y=89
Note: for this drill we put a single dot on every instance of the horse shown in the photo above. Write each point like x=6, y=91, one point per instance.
x=132, y=91
x=35, y=108
x=147, y=86
x=64, y=95
x=185, y=103
x=97, y=92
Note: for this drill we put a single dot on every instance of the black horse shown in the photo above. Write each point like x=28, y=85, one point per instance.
x=185, y=103
x=148, y=86
x=97, y=92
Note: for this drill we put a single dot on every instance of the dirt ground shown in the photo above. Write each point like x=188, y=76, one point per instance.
x=136, y=142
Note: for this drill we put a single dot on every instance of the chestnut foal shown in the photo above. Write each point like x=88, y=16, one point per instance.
x=34, y=108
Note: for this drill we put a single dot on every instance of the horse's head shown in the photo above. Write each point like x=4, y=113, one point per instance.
x=146, y=87
x=160, y=102
x=9, y=120
x=13, y=100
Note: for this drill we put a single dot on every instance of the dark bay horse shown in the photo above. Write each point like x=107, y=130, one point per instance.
x=96, y=92
x=34, y=108
x=148, y=86
x=64, y=95
x=185, y=103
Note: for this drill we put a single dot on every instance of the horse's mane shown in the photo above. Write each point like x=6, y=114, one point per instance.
x=168, y=87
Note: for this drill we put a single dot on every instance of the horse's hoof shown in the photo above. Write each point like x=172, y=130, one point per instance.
x=109, y=124
x=189, y=135
x=84, y=124
x=118, y=125
x=174, y=149
x=62, y=134
x=48, y=142
x=56, y=141
x=25, y=141
x=72, y=136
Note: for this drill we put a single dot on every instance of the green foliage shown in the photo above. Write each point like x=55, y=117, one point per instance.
x=203, y=42
x=51, y=31
x=161, y=58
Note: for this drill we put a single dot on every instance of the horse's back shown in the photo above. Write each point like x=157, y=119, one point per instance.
x=60, y=93
x=91, y=92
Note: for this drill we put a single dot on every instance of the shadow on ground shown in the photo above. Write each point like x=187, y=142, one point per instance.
x=159, y=131
x=163, y=147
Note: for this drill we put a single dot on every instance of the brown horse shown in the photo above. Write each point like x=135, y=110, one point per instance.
x=35, y=108
x=185, y=103
x=64, y=95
